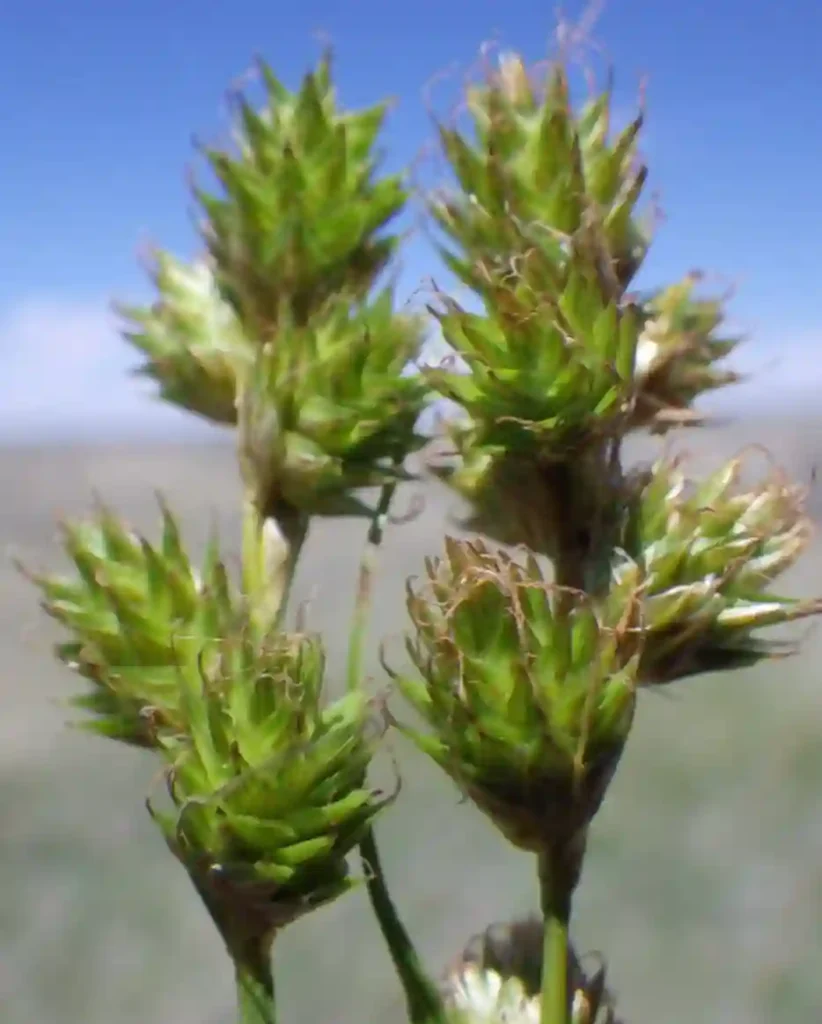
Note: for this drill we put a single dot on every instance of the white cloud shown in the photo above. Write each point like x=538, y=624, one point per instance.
x=65, y=370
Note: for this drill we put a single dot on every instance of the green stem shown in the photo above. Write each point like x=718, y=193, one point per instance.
x=248, y=943
x=362, y=601
x=255, y=986
x=421, y=995
x=272, y=542
x=422, y=998
x=555, y=900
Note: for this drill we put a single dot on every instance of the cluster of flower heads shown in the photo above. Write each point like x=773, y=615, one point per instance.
x=527, y=686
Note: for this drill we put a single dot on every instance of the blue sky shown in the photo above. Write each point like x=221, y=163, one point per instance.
x=99, y=103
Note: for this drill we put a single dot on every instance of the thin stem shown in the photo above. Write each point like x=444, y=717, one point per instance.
x=255, y=986
x=555, y=900
x=362, y=601
x=272, y=542
x=248, y=943
x=421, y=995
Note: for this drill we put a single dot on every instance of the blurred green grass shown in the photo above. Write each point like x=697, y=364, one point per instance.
x=703, y=887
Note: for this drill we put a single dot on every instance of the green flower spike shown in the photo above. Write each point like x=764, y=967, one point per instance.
x=541, y=188
x=705, y=556
x=529, y=705
x=329, y=408
x=194, y=344
x=678, y=355
x=293, y=240
x=543, y=229
x=269, y=786
x=129, y=608
x=325, y=410
x=498, y=978
x=301, y=211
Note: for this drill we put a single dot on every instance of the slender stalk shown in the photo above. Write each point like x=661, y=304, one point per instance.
x=362, y=601
x=248, y=942
x=271, y=549
x=421, y=995
x=555, y=901
x=255, y=988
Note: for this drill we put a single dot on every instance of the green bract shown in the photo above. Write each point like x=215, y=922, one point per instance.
x=705, y=555
x=131, y=608
x=269, y=783
x=529, y=706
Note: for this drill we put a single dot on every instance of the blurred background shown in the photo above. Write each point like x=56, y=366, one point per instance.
x=703, y=887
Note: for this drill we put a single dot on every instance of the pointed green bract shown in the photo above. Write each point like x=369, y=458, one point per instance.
x=704, y=556
x=528, y=709
x=132, y=609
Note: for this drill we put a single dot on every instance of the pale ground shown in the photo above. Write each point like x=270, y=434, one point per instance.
x=704, y=881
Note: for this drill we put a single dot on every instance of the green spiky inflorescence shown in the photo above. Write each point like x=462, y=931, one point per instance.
x=280, y=310
x=529, y=708
x=704, y=556
x=267, y=777
x=679, y=356
x=543, y=228
x=130, y=608
x=269, y=784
